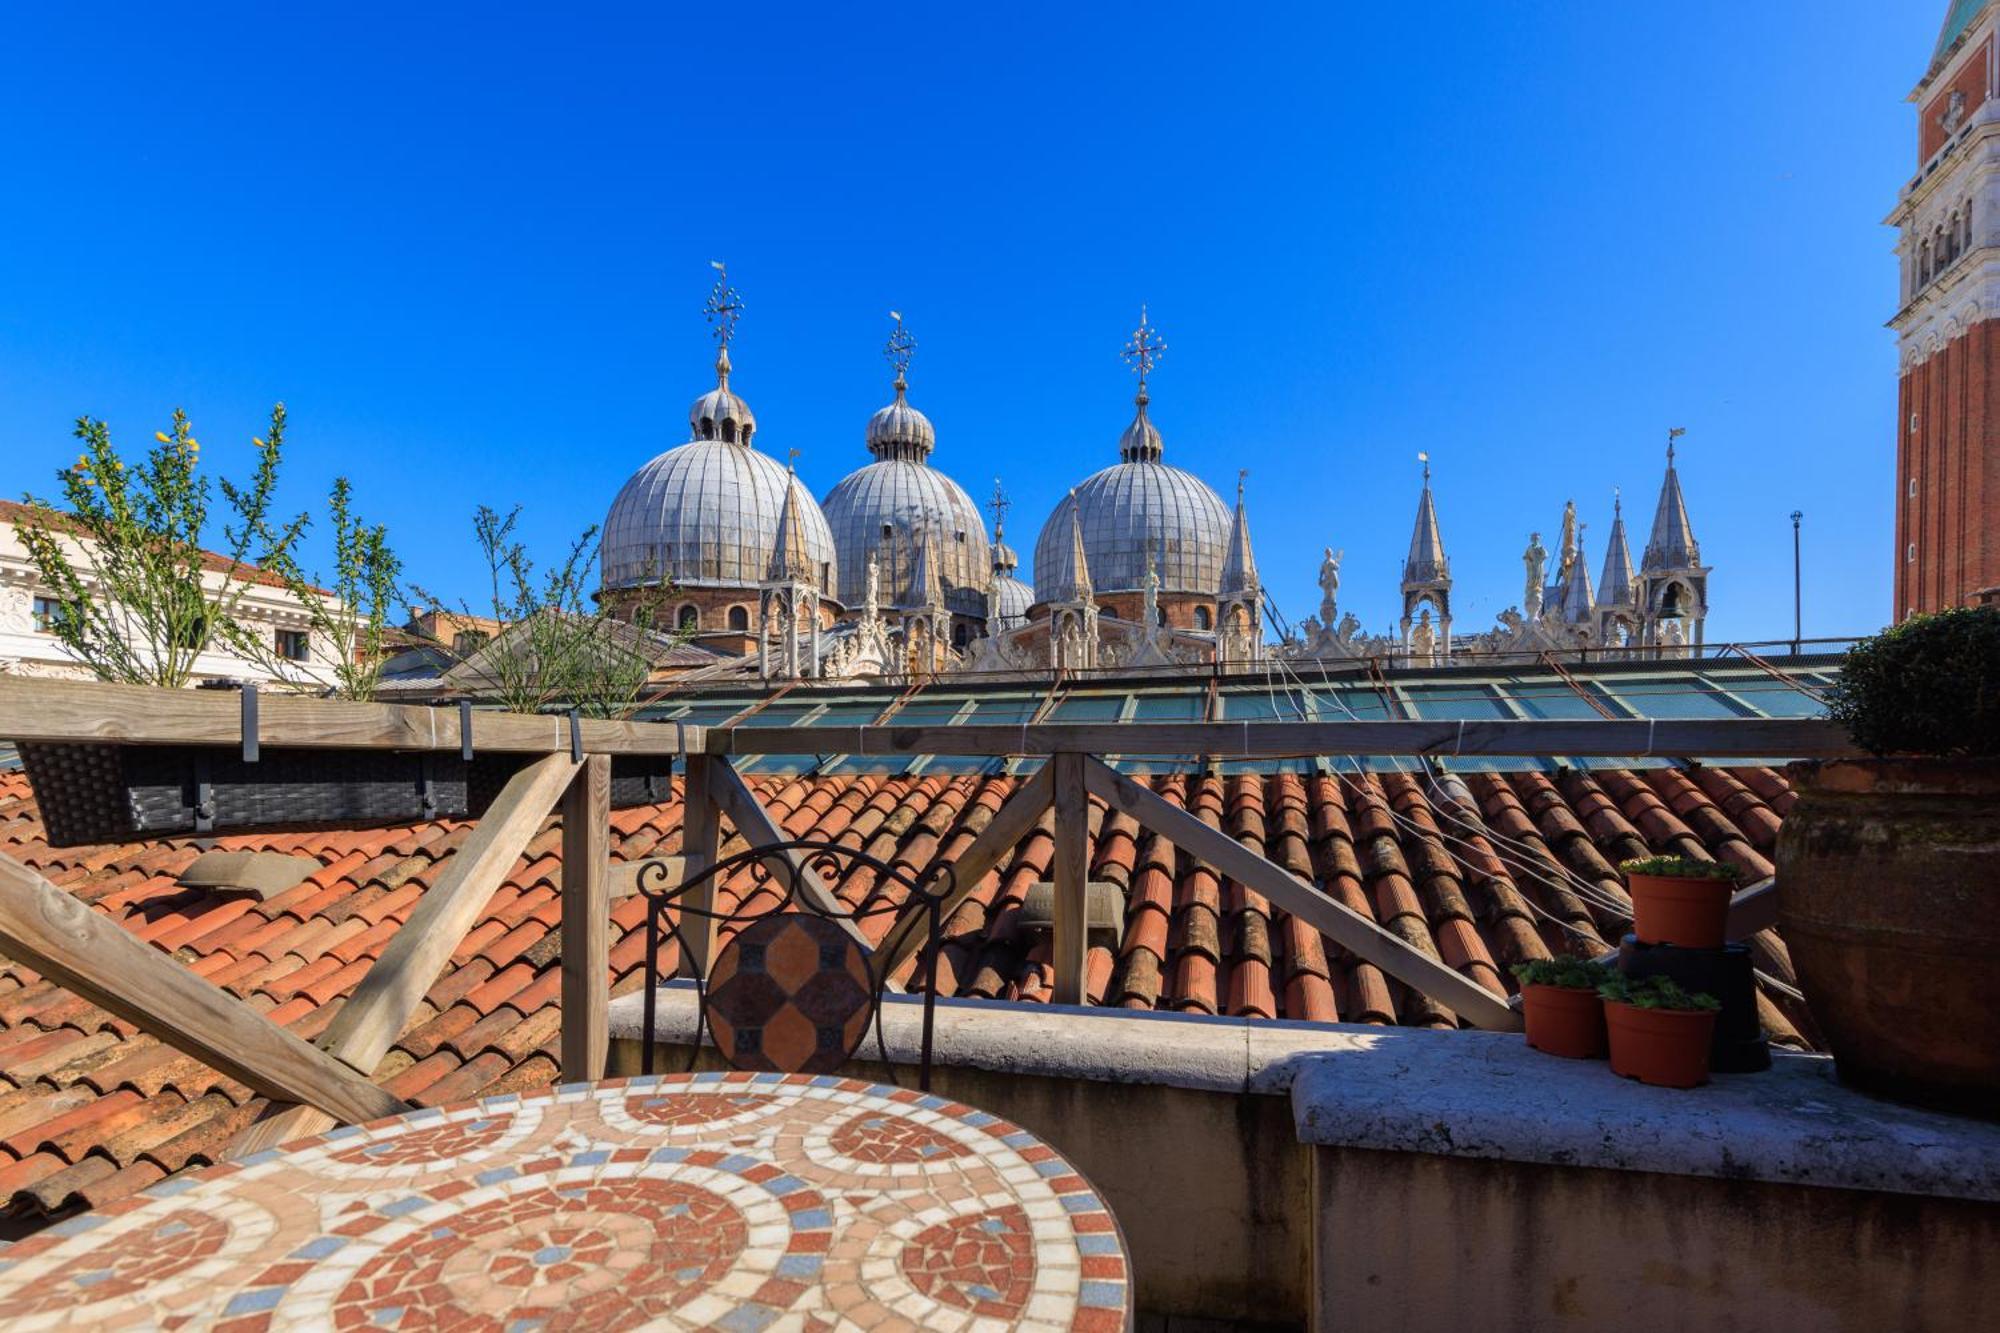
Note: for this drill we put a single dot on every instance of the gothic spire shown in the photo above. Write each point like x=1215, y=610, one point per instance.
x=1427, y=562
x=1615, y=587
x=1672, y=544
x=1072, y=573
x=925, y=589
x=789, y=561
x=1577, y=603
x=1239, y=565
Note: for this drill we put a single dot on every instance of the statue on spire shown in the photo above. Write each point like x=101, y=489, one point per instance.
x=1329, y=585
x=1535, y=560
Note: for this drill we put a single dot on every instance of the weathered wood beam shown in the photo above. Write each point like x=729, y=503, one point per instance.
x=701, y=837
x=586, y=922
x=1010, y=823
x=754, y=822
x=85, y=952
x=52, y=710
x=1720, y=738
x=1753, y=908
x=1331, y=918
x=382, y=1002
x=1070, y=952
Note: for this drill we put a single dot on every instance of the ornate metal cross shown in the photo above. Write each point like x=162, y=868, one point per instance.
x=1145, y=349
x=724, y=305
x=900, y=347
x=998, y=507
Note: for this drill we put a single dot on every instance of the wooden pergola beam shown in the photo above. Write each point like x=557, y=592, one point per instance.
x=1331, y=918
x=85, y=952
x=1010, y=823
x=382, y=1002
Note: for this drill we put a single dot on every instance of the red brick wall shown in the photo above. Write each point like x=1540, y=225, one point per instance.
x=1970, y=80
x=1953, y=457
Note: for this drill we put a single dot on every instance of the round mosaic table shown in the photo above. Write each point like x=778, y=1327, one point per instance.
x=732, y=1201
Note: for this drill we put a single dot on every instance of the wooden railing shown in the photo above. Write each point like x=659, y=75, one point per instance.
x=320, y=1084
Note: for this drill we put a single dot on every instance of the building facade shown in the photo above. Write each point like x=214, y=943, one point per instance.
x=1947, y=418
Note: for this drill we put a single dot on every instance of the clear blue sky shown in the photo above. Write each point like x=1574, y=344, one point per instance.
x=468, y=246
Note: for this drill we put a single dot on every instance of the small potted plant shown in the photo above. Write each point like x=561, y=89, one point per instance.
x=1678, y=900
x=1660, y=1034
x=1560, y=1006
x=1888, y=868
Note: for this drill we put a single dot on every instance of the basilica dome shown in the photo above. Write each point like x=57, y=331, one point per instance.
x=1012, y=598
x=1139, y=513
x=705, y=514
x=885, y=509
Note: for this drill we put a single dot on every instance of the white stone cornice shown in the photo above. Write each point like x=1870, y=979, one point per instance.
x=1930, y=323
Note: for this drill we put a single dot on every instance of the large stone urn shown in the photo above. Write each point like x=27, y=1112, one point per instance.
x=1889, y=900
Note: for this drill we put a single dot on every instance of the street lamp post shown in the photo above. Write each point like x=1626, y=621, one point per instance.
x=1796, y=516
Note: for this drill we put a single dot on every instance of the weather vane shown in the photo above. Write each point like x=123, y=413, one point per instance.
x=1145, y=349
x=998, y=507
x=900, y=348
x=1424, y=457
x=1673, y=433
x=724, y=306
x=1242, y=475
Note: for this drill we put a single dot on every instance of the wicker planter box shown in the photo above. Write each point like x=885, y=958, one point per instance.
x=91, y=793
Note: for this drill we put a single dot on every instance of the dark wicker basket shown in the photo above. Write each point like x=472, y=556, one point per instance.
x=100, y=793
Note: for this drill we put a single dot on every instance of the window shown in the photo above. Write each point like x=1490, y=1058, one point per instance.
x=888, y=529
x=1202, y=619
x=958, y=635
x=1913, y=488
x=45, y=612
x=294, y=645
x=1911, y=555
x=739, y=617
x=468, y=641
x=729, y=432
x=689, y=617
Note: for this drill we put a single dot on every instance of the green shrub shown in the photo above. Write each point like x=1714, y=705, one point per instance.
x=1655, y=992
x=1680, y=867
x=1568, y=973
x=1928, y=686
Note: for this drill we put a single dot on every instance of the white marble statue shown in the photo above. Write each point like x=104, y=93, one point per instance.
x=1535, y=560
x=1329, y=584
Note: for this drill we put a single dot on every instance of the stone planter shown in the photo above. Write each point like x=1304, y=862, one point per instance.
x=1565, y=1021
x=1889, y=900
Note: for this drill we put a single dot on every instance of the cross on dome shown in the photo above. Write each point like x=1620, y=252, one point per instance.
x=723, y=308
x=900, y=348
x=1144, y=350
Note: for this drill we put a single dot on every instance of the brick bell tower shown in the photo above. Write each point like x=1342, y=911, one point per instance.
x=1948, y=405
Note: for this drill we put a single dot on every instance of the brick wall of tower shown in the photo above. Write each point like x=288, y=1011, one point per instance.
x=1948, y=475
x=1970, y=81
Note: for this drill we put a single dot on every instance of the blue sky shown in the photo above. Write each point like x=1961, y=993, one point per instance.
x=468, y=246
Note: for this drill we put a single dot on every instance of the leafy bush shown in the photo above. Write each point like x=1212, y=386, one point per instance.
x=1568, y=973
x=1656, y=992
x=1930, y=686
x=1679, y=867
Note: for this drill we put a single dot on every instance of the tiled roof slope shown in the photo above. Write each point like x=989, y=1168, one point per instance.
x=1500, y=868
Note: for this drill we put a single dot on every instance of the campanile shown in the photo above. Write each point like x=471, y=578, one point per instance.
x=1948, y=404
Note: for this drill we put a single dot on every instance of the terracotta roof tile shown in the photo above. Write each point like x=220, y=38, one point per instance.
x=1479, y=871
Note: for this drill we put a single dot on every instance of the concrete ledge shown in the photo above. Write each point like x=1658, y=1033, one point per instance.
x=1193, y=1051
x=1476, y=1094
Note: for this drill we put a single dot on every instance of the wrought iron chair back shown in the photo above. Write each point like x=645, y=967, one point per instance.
x=791, y=959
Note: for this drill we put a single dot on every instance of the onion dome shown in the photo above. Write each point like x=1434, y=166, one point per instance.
x=1138, y=512
x=883, y=510
x=706, y=514
x=1011, y=597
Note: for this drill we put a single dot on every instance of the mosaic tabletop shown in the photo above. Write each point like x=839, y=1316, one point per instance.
x=731, y=1201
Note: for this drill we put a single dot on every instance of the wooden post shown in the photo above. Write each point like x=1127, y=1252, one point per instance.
x=85, y=952
x=1072, y=876
x=699, y=839
x=586, y=921
x=1332, y=918
x=373, y=1017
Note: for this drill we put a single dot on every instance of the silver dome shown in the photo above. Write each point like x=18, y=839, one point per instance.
x=1014, y=599
x=705, y=515
x=883, y=510
x=1133, y=514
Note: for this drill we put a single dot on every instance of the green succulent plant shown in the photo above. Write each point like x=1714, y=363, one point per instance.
x=1568, y=973
x=1680, y=867
x=1656, y=992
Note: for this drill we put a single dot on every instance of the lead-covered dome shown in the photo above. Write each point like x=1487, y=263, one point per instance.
x=1011, y=597
x=705, y=514
x=885, y=509
x=1137, y=514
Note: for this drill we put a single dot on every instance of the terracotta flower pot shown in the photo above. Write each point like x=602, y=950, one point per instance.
x=1889, y=902
x=1667, y=1048
x=1692, y=913
x=1565, y=1021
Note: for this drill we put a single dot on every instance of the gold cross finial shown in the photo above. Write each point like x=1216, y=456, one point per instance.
x=723, y=307
x=899, y=349
x=1144, y=350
